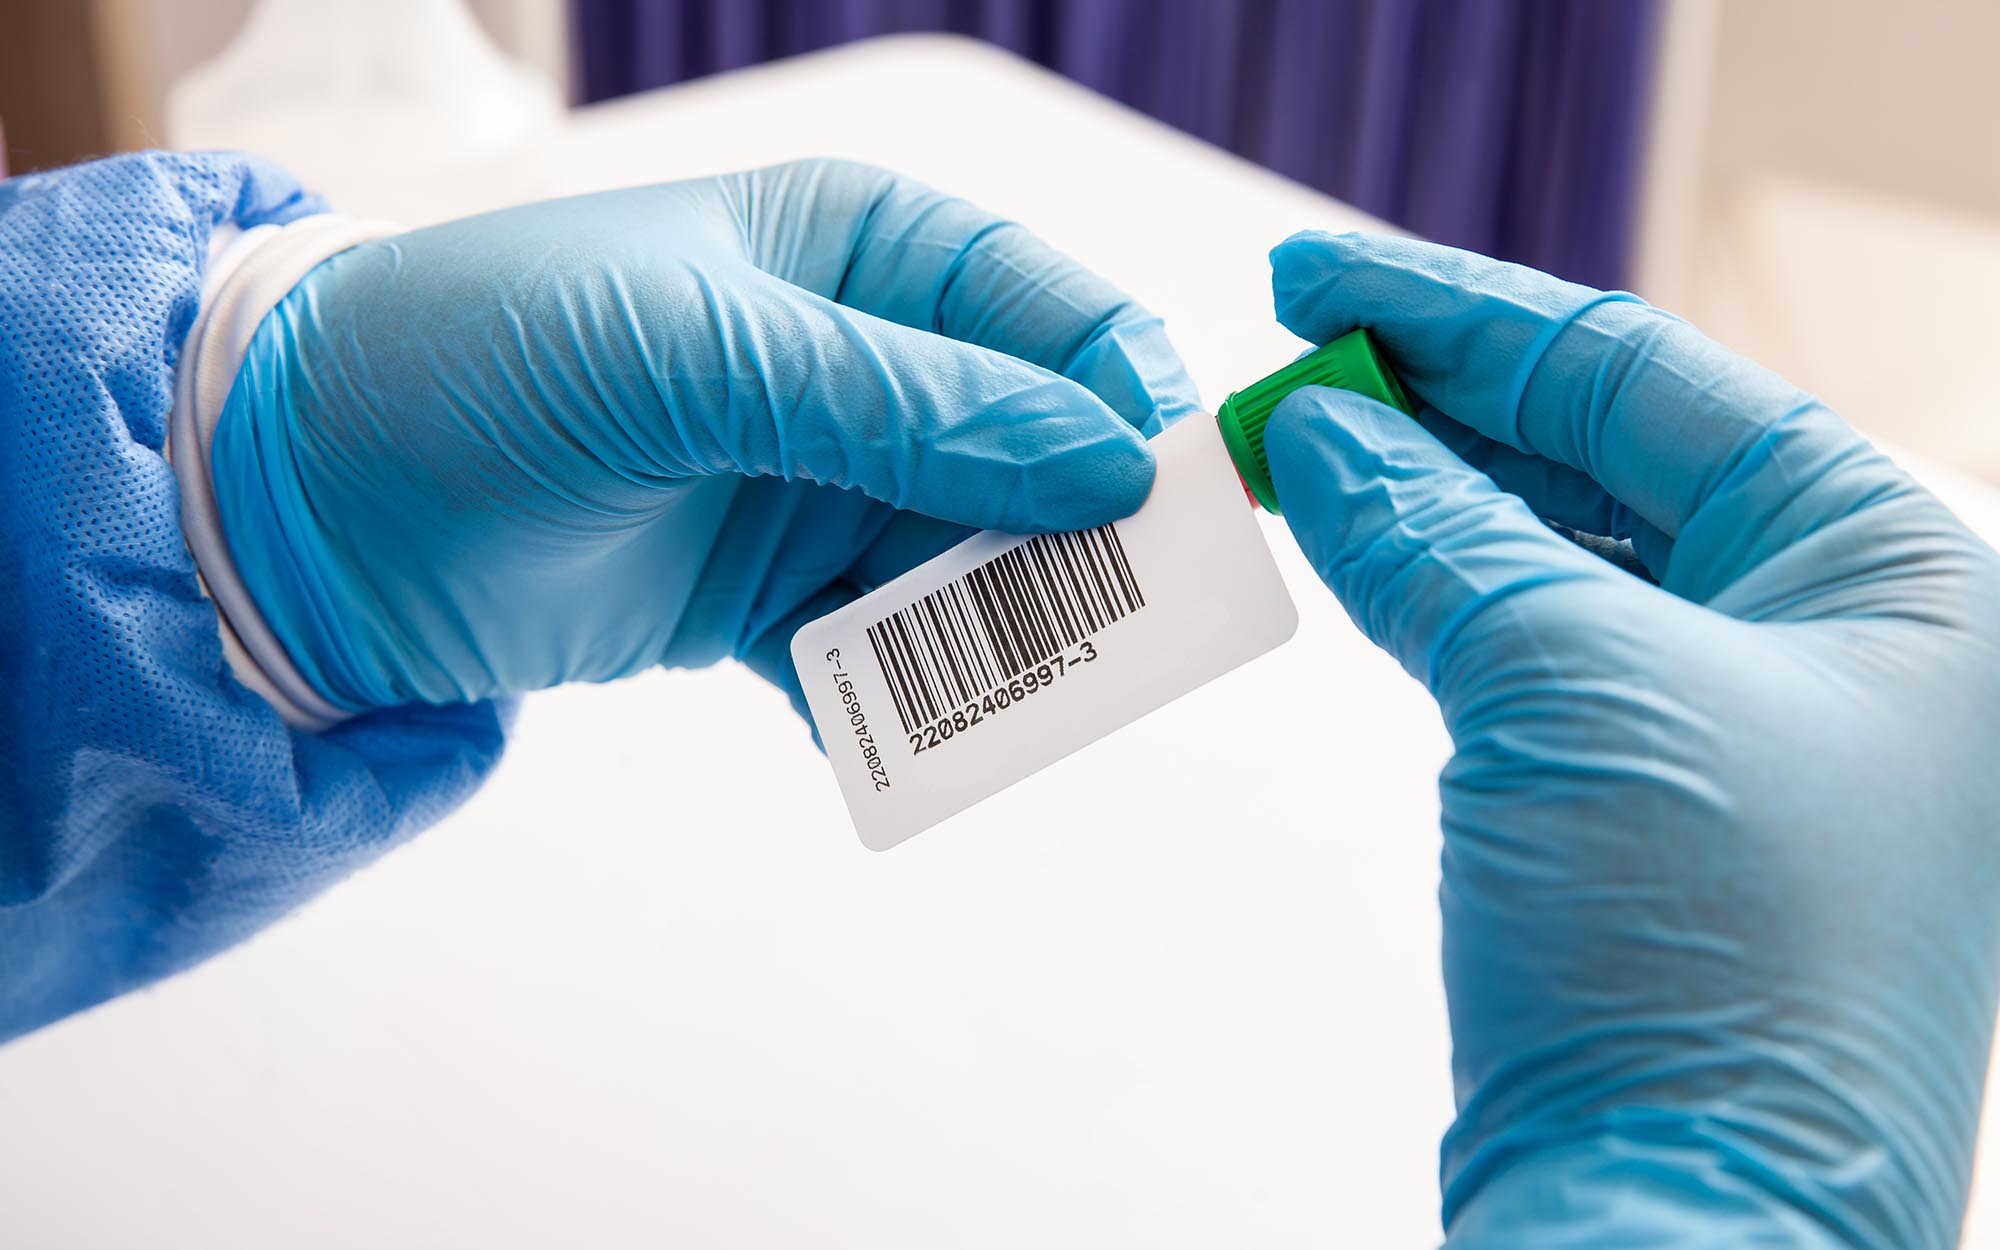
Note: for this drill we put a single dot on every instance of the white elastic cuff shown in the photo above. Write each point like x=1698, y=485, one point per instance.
x=248, y=272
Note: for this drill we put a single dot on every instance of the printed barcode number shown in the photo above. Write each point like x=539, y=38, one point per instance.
x=1014, y=612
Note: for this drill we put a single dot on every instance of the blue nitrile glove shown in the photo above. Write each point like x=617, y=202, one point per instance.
x=664, y=425
x=152, y=810
x=1719, y=878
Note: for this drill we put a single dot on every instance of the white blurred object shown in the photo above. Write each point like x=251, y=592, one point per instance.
x=1846, y=238
x=355, y=94
x=1881, y=304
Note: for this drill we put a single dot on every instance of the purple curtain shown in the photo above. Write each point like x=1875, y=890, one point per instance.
x=1514, y=127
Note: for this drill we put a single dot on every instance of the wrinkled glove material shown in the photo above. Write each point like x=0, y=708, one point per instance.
x=152, y=810
x=665, y=425
x=1720, y=867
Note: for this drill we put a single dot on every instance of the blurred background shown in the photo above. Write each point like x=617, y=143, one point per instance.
x=1812, y=181
x=1198, y=1019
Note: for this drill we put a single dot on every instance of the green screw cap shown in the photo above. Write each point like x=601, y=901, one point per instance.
x=1351, y=362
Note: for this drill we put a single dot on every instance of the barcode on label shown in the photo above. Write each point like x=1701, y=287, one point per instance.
x=1024, y=606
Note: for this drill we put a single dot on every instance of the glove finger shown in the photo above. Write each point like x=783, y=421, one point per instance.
x=1556, y=492
x=909, y=539
x=769, y=654
x=832, y=395
x=779, y=544
x=899, y=250
x=1620, y=391
x=1421, y=549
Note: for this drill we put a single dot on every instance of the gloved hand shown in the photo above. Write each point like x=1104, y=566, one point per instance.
x=665, y=425
x=1719, y=878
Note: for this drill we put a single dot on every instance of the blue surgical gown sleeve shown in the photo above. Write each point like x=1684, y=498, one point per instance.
x=153, y=811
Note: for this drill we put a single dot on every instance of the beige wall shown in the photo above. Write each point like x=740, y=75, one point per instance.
x=1899, y=97
x=1825, y=198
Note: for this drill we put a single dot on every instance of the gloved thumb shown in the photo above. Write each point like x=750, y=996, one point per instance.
x=1417, y=545
x=921, y=421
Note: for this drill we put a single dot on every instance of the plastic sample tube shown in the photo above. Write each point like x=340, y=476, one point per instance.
x=1351, y=362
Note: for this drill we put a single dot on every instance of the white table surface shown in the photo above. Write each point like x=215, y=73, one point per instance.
x=647, y=989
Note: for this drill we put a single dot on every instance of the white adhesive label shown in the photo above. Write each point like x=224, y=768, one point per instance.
x=1004, y=654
